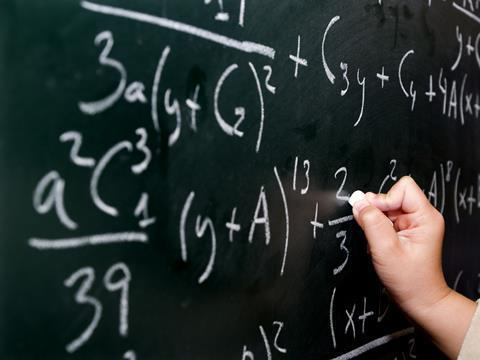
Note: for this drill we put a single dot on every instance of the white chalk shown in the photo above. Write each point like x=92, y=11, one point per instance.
x=356, y=196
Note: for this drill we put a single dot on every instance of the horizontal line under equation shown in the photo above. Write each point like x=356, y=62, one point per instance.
x=89, y=240
x=375, y=343
x=245, y=46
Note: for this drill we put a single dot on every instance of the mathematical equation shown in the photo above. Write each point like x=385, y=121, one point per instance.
x=176, y=112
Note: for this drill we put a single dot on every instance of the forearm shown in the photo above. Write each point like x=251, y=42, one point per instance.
x=447, y=321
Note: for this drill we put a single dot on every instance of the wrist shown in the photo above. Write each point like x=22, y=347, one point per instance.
x=446, y=320
x=427, y=300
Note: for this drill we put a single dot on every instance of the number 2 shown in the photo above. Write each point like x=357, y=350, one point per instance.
x=76, y=138
x=340, y=189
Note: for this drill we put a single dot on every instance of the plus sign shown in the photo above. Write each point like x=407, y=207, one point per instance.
x=297, y=59
x=431, y=94
x=365, y=314
x=232, y=226
x=194, y=106
x=383, y=77
x=478, y=191
x=471, y=200
x=477, y=106
x=470, y=48
x=315, y=223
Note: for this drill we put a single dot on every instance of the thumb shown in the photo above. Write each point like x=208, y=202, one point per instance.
x=376, y=225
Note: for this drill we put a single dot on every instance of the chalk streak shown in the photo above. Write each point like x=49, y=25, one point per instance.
x=100, y=239
x=245, y=46
x=466, y=12
x=375, y=343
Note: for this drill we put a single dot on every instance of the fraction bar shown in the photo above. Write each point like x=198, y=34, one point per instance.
x=90, y=240
x=245, y=46
x=340, y=220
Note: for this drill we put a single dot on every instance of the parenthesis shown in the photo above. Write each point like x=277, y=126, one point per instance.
x=332, y=329
x=262, y=107
x=462, y=91
x=155, y=86
x=183, y=222
x=287, y=226
x=457, y=280
x=477, y=56
x=265, y=342
x=457, y=217
x=400, y=71
x=329, y=73
x=442, y=172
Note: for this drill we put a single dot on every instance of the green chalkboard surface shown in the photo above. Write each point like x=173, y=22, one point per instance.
x=174, y=174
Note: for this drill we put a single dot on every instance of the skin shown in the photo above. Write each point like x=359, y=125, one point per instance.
x=407, y=258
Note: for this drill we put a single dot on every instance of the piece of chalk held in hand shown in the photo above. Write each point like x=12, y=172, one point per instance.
x=356, y=196
x=359, y=196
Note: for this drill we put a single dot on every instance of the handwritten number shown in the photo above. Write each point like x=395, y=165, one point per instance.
x=275, y=342
x=121, y=284
x=268, y=77
x=342, y=235
x=95, y=107
x=142, y=146
x=340, y=189
x=82, y=297
x=76, y=138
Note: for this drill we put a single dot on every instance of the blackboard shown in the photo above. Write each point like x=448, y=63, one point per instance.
x=174, y=174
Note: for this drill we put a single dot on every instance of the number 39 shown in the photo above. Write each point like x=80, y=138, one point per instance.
x=82, y=297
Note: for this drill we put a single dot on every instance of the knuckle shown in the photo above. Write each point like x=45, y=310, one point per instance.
x=407, y=180
x=438, y=218
x=369, y=216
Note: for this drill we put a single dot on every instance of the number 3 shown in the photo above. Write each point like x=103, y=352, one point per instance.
x=142, y=146
x=81, y=297
x=95, y=107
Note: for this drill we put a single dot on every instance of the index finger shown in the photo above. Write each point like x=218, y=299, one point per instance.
x=405, y=195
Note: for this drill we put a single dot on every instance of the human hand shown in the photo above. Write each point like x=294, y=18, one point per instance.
x=405, y=236
x=407, y=254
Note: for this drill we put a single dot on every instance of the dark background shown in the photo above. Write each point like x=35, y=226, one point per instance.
x=48, y=63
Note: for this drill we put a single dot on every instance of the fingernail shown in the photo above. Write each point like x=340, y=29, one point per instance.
x=355, y=197
x=361, y=204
